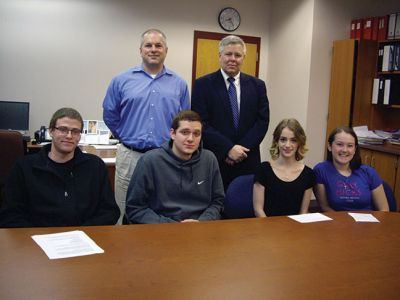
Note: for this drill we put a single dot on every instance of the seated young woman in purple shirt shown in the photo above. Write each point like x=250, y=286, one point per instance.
x=283, y=186
x=343, y=182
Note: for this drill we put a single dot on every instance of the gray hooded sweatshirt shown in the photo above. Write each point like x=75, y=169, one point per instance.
x=165, y=188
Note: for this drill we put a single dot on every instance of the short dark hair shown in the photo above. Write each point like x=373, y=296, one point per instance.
x=65, y=112
x=299, y=134
x=185, y=115
x=355, y=163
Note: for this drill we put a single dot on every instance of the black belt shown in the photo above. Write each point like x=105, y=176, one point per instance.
x=144, y=150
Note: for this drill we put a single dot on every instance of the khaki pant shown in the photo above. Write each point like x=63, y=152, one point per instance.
x=125, y=164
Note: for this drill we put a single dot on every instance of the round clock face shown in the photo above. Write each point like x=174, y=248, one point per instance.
x=229, y=19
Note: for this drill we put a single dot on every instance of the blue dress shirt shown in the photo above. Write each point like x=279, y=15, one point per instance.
x=139, y=109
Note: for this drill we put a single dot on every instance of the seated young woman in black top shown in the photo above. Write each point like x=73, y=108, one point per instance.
x=283, y=186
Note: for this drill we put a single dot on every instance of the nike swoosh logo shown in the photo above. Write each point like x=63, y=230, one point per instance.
x=200, y=182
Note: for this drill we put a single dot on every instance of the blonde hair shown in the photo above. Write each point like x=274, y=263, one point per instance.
x=231, y=40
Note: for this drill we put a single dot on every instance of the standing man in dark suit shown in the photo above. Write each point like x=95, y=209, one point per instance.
x=235, y=110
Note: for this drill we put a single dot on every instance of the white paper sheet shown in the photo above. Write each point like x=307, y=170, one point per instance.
x=109, y=159
x=363, y=217
x=309, y=218
x=67, y=244
x=105, y=147
x=362, y=131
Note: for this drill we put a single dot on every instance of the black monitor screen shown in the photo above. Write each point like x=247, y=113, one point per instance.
x=14, y=115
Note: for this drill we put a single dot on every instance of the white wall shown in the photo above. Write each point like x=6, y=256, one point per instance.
x=289, y=62
x=57, y=53
x=331, y=22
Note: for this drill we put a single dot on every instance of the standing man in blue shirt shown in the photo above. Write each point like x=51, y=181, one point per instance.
x=139, y=107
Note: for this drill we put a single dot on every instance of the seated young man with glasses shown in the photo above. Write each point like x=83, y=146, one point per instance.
x=179, y=182
x=60, y=185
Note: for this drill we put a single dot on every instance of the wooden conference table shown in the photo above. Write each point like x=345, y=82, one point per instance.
x=274, y=258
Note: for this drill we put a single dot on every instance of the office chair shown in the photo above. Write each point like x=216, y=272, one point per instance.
x=239, y=198
x=390, y=196
x=12, y=147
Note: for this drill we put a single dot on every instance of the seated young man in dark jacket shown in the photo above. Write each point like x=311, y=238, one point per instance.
x=60, y=185
x=178, y=182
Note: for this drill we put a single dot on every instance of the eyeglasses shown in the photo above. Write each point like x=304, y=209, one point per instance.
x=65, y=130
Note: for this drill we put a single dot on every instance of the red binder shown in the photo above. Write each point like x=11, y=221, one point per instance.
x=375, y=25
x=353, y=29
x=383, y=27
x=359, y=28
x=367, y=28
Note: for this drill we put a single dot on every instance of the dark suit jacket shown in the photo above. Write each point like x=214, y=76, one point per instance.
x=211, y=100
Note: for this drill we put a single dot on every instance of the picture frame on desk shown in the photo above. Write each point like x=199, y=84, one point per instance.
x=91, y=127
x=95, y=132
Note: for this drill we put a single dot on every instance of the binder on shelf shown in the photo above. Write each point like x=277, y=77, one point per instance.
x=353, y=29
x=369, y=33
x=375, y=23
x=391, y=57
x=380, y=58
x=392, y=92
x=391, y=26
x=397, y=27
x=387, y=60
x=396, y=58
x=386, y=92
x=381, y=90
x=375, y=91
x=382, y=27
x=394, y=98
x=359, y=28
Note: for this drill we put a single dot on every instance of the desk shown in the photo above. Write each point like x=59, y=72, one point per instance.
x=274, y=258
x=90, y=149
x=104, y=154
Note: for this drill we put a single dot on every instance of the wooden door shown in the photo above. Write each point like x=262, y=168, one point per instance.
x=341, y=88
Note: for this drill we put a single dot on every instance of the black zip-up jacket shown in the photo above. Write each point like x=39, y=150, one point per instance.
x=36, y=195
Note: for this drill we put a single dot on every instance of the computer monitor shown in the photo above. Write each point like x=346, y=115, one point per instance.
x=14, y=115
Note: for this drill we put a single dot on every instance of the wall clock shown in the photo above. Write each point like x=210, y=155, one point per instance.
x=229, y=19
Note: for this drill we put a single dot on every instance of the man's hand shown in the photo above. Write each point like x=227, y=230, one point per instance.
x=229, y=161
x=237, y=154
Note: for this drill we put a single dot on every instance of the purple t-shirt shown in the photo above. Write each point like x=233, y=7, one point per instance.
x=352, y=192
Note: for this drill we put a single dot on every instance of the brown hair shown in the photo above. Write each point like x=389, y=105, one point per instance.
x=185, y=115
x=295, y=127
x=355, y=163
x=65, y=112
